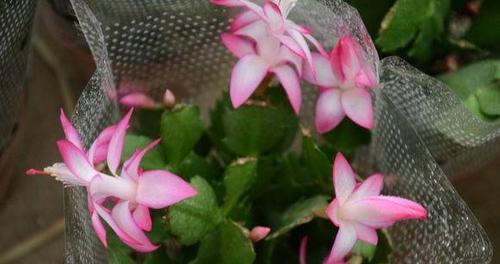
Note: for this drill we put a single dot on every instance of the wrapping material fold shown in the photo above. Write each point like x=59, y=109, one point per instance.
x=16, y=22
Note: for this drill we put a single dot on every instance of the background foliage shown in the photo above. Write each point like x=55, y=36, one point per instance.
x=455, y=40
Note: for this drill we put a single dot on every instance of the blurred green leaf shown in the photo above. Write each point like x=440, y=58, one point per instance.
x=181, y=129
x=372, y=13
x=318, y=164
x=192, y=219
x=118, y=253
x=239, y=177
x=157, y=257
x=254, y=130
x=485, y=27
x=478, y=85
x=418, y=20
x=226, y=244
x=194, y=165
x=489, y=99
x=347, y=137
x=159, y=231
x=154, y=159
x=383, y=249
x=402, y=23
x=300, y=213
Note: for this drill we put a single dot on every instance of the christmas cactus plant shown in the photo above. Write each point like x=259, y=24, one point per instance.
x=251, y=183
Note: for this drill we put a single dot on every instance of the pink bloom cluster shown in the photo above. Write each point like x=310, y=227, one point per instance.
x=121, y=199
x=358, y=210
x=268, y=43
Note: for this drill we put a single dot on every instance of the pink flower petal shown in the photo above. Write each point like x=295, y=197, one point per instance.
x=366, y=77
x=142, y=217
x=139, y=100
x=345, y=59
x=324, y=75
x=158, y=189
x=131, y=166
x=70, y=131
x=290, y=43
x=104, y=214
x=357, y=104
x=303, y=250
x=258, y=233
x=246, y=76
x=316, y=44
x=382, y=211
x=291, y=83
x=344, y=242
x=343, y=178
x=76, y=160
x=255, y=30
x=299, y=38
x=331, y=212
x=289, y=56
x=372, y=186
x=238, y=46
x=329, y=111
x=99, y=228
x=99, y=150
x=116, y=143
x=104, y=186
x=366, y=233
x=123, y=218
x=243, y=19
x=275, y=18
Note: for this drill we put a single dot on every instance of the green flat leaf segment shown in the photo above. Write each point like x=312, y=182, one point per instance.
x=300, y=213
x=226, y=244
x=193, y=218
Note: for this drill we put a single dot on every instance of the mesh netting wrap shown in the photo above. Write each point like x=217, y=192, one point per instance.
x=149, y=46
x=15, y=31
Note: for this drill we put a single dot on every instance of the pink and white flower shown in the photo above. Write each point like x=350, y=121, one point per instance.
x=257, y=60
x=272, y=19
x=132, y=192
x=344, y=79
x=358, y=209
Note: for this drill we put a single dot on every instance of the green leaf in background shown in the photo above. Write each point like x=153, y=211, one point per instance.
x=422, y=20
x=118, y=253
x=489, y=99
x=484, y=31
x=159, y=231
x=147, y=122
x=254, y=130
x=227, y=244
x=154, y=159
x=478, y=85
x=318, y=164
x=347, y=137
x=300, y=213
x=384, y=248
x=193, y=218
x=372, y=13
x=194, y=165
x=402, y=23
x=181, y=129
x=157, y=257
x=238, y=180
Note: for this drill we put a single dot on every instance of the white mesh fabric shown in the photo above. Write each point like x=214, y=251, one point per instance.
x=175, y=44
